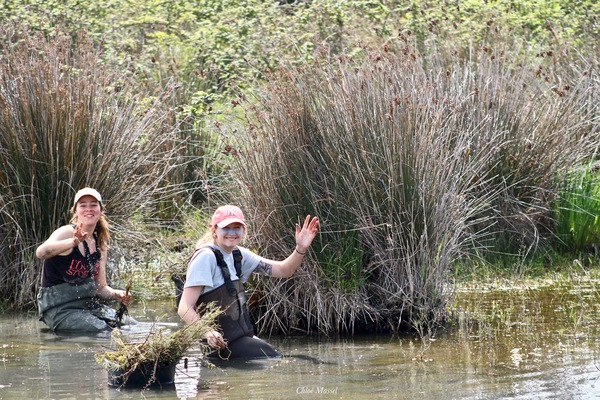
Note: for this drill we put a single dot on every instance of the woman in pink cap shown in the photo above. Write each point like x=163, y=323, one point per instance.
x=74, y=273
x=216, y=272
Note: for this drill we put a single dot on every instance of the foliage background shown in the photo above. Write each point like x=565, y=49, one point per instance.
x=502, y=93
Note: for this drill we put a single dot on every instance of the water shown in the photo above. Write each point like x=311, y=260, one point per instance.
x=516, y=343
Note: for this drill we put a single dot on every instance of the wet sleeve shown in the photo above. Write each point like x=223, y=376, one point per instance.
x=201, y=269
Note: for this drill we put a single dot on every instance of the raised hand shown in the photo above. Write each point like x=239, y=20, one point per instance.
x=306, y=233
x=79, y=234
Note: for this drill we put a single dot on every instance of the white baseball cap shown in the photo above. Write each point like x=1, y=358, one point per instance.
x=88, y=191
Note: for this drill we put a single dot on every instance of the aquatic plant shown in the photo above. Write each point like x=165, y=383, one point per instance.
x=578, y=210
x=159, y=349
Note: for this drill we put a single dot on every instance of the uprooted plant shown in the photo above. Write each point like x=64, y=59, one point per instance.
x=158, y=349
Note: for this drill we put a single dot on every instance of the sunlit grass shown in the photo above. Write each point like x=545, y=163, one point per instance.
x=578, y=210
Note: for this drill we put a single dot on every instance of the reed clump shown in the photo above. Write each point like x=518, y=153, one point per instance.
x=159, y=349
x=413, y=161
x=68, y=121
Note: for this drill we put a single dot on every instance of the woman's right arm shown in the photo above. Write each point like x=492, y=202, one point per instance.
x=189, y=297
x=187, y=312
x=61, y=241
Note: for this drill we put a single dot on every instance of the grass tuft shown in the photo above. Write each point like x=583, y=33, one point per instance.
x=66, y=122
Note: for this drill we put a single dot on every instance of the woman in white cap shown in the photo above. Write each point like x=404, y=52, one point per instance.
x=74, y=273
x=216, y=272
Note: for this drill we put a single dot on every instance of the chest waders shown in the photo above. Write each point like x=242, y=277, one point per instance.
x=73, y=305
x=235, y=320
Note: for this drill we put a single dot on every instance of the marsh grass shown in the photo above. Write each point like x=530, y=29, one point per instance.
x=67, y=121
x=364, y=150
x=578, y=210
x=411, y=161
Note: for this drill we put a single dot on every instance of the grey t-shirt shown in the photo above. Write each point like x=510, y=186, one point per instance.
x=204, y=271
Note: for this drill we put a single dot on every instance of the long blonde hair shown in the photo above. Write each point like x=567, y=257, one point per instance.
x=207, y=238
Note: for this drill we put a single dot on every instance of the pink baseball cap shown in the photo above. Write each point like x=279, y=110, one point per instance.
x=87, y=192
x=226, y=215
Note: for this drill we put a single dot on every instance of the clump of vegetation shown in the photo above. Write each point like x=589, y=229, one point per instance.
x=159, y=349
x=578, y=210
x=412, y=161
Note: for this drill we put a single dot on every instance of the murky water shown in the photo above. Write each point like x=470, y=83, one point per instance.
x=522, y=343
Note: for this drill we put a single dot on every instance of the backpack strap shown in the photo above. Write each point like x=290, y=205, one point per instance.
x=237, y=261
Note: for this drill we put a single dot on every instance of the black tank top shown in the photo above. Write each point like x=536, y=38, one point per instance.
x=72, y=268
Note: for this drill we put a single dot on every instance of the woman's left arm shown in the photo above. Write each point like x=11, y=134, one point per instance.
x=104, y=291
x=286, y=268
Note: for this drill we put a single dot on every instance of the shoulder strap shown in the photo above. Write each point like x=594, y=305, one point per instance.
x=237, y=260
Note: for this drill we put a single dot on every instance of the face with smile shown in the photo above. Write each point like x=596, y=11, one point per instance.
x=88, y=210
x=229, y=236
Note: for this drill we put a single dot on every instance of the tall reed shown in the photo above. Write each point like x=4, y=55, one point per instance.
x=66, y=121
x=412, y=161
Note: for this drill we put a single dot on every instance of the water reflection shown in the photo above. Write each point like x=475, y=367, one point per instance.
x=521, y=343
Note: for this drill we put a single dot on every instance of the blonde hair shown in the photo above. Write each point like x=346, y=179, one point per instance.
x=207, y=238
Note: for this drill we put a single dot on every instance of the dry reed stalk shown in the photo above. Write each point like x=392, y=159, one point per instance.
x=66, y=122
